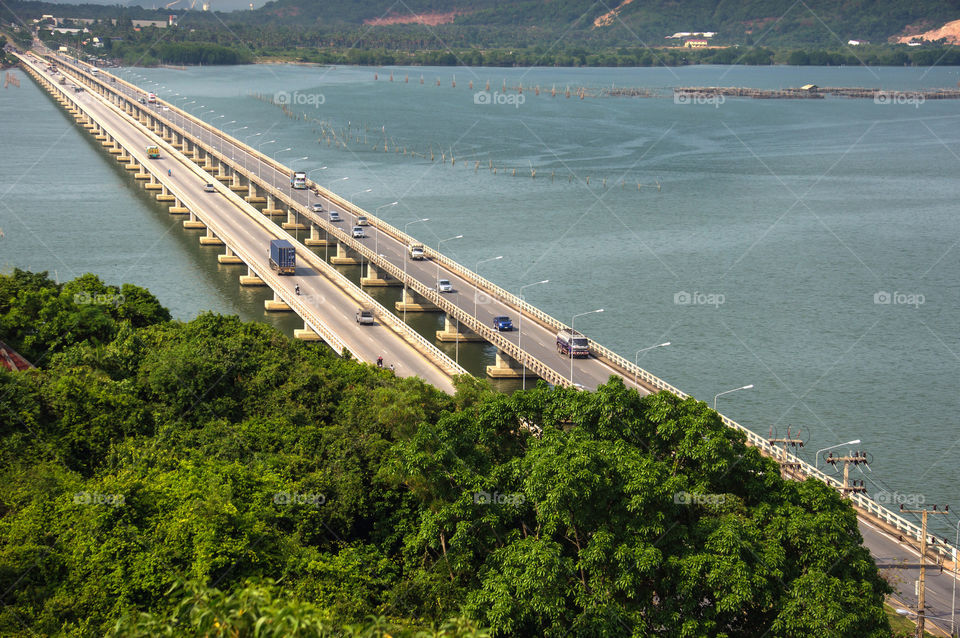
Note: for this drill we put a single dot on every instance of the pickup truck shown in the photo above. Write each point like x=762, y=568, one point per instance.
x=365, y=316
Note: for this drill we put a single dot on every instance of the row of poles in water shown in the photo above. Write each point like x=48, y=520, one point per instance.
x=360, y=135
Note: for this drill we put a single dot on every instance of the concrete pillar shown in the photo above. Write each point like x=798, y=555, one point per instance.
x=252, y=196
x=166, y=196
x=251, y=279
x=194, y=223
x=307, y=334
x=411, y=302
x=316, y=240
x=343, y=258
x=271, y=209
x=134, y=165
x=449, y=332
x=505, y=367
x=145, y=176
x=237, y=186
x=210, y=239
x=276, y=304
x=228, y=257
x=376, y=278
x=293, y=224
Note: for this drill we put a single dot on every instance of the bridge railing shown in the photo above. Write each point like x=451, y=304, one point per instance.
x=632, y=370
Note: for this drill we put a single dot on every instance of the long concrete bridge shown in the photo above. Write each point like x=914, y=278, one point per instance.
x=194, y=153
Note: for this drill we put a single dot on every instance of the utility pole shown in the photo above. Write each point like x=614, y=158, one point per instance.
x=786, y=468
x=857, y=458
x=923, y=561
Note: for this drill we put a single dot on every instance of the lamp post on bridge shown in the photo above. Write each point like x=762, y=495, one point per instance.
x=745, y=387
x=224, y=127
x=439, y=244
x=259, y=163
x=375, y=214
x=405, y=260
x=574, y=332
x=233, y=147
x=520, y=329
x=816, y=457
x=636, y=358
x=309, y=173
x=476, y=289
x=326, y=244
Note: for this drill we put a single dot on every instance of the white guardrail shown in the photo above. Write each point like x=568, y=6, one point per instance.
x=629, y=369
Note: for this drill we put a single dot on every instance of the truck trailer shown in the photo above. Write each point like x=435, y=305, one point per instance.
x=283, y=257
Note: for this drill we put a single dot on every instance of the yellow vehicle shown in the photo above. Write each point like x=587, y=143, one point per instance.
x=153, y=152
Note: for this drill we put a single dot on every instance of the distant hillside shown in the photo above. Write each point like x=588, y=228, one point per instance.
x=774, y=22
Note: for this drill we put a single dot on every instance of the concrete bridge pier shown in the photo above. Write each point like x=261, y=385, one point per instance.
x=376, y=278
x=505, y=367
x=237, y=185
x=271, y=210
x=316, y=240
x=178, y=208
x=166, y=196
x=132, y=164
x=293, y=224
x=450, y=333
x=276, y=304
x=210, y=239
x=194, y=223
x=224, y=174
x=307, y=334
x=412, y=302
x=211, y=165
x=143, y=175
x=343, y=258
x=228, y=257
x=252, y=196
x=251, y=279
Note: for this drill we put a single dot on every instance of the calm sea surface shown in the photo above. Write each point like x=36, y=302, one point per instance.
x=780, y=226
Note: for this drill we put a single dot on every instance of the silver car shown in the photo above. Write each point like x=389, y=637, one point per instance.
x=358, y=232
x=443, y=285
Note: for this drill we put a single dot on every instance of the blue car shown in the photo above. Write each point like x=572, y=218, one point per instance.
x=502, y=323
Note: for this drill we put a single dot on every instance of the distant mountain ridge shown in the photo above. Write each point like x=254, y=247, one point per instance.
x=821, y=22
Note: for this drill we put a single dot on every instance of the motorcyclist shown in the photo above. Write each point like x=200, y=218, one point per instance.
x=169, y=172
x=296, y=289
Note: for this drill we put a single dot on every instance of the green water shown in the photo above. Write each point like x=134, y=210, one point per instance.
x=794, y=214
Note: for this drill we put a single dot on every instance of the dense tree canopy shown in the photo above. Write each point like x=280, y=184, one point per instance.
x=217, y=478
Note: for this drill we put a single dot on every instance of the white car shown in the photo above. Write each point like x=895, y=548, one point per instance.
x=209, y=188
x=362, y=221
x=358, y=232
x=443, y=285
x=316, y=208
x=335, y=216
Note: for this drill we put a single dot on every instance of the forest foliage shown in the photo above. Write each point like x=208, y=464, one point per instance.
x=216, y=478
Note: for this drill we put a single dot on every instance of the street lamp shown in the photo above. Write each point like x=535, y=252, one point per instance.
x=953, y=604
x=745, y=387
x=233, y=146
x=816, y=456
x=259, y=163
x=366, y=190
x=440, y=243
x=574, y=332
x=520, y=328
x=476, y=289
x=636, y=357
x=375, y=211
x=405, y=260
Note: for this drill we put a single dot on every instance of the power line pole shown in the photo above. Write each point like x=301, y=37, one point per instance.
x=786, y=467
x=921, y=618
x=857, y=458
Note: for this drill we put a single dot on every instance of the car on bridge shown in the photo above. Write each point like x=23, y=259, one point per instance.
x=362, y=221
x=502, y=323
x=358, y=232
x=209, y=188
x=444, y=285
x=316, y=207
x=365, y=316
x=335, y=216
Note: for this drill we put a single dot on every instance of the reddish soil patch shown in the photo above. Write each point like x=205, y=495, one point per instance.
x=431, y=19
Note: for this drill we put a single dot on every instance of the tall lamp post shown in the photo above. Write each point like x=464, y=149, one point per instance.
x=405, y=260
x=375, y=214
x=744, y=387
x=520, y=328
x=259, y=163
x=816, y=457
x=476, y=290
x=440, y=243
x=574, y=333
x=636, y=358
